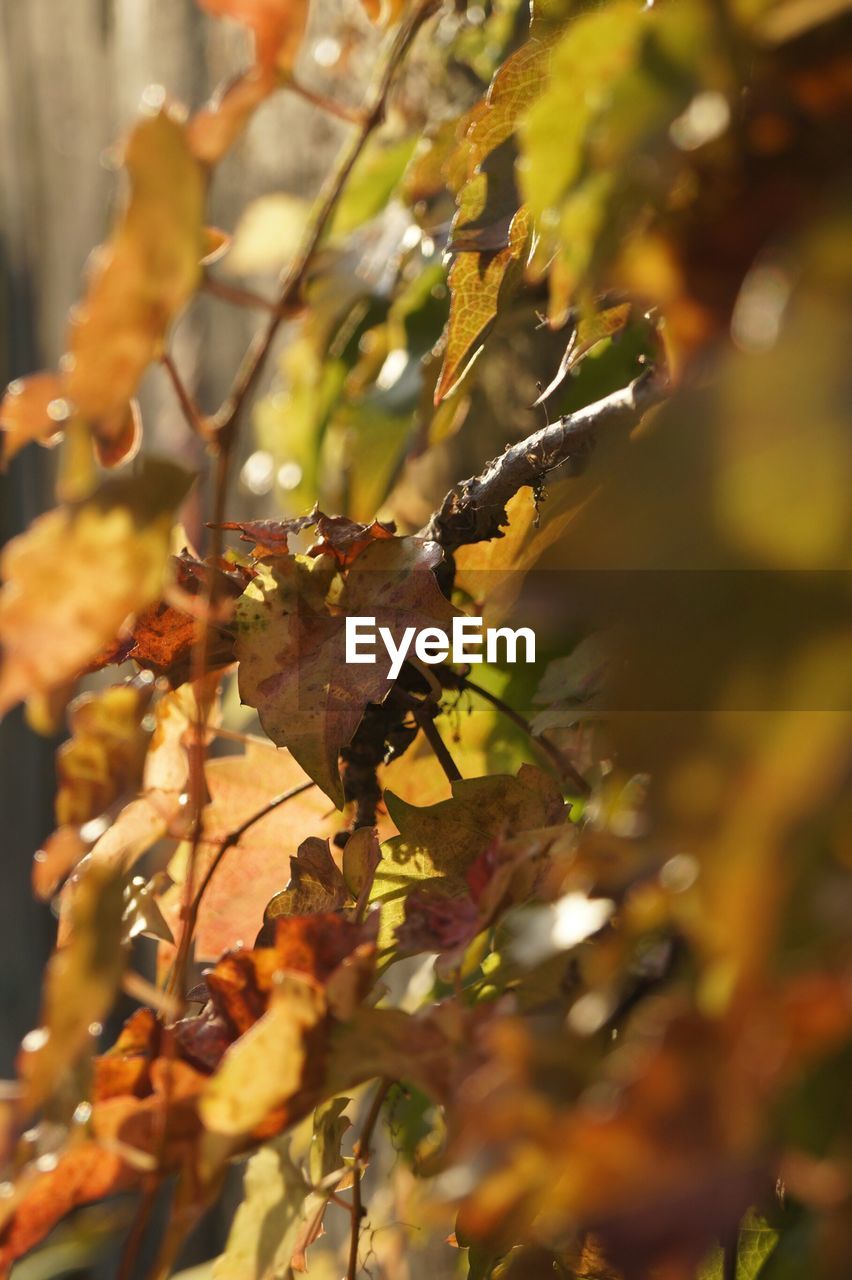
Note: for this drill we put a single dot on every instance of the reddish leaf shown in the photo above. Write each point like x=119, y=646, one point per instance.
x=278, y=27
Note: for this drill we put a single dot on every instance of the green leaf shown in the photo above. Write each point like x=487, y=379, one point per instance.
x=267, y=1225
x=756, y=1242
x=439, y=842
x=374, y=180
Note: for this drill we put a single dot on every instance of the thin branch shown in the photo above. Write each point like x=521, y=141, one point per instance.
x=563, y=766
x=191, y=412
x=475, y=509
x=236, y=296
x=361, y=1157
x=436, y=742
x=352, y=115
x=294, y=277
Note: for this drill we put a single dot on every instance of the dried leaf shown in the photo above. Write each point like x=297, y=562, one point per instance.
x=291, y=646
x=316, y=883
x=77, y=574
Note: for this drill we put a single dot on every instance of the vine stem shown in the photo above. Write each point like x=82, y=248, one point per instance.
x=294, y=278
x=550, y=749
x=232, y=839
x=361, y=1156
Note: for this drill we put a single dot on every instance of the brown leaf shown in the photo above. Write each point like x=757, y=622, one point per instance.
x=316, y=883
x=77, y=574
x=125, y=1067
x=291, y=646
x=264, y=1068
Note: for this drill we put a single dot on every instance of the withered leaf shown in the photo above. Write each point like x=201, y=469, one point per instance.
x=291, y=645
x=316, y=883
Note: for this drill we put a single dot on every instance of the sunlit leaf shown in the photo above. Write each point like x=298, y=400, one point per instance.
x=77, y=575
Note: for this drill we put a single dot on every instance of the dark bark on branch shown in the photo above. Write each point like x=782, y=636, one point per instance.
x=475, y=509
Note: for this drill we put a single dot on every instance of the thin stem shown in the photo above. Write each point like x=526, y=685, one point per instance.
x=550, y=749
x=361, y=1156
x=236, y=296
x=352, y=115
x=294, y=277
x=436, y=742
x=191, y=412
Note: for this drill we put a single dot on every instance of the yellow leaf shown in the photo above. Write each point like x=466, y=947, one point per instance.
x=77, y=574
x=142, y=276
x=264, y=1068
x=476, y=281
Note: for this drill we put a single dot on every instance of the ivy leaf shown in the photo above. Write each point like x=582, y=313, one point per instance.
x=141, y=278
x=215, y=128
x=291, y=645
x=267, y=1225
x=316, y=883
x=755, y=1242
x=439, y=843
x=255, y=870
x=375, y=178
x=477, y=282
x=76, y=575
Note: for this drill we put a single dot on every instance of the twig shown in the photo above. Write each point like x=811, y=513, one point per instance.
x=191, y=412
x=352, y=115
x=236, y=296
x=436, y=742
x=361, y=1156
x=294, y=277
x=475, y=510
x=550, y=749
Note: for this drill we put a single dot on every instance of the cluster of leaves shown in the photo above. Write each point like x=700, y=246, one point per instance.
x=597, y=962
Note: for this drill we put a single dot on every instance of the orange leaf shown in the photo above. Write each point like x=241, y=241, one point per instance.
x=278, y=27
x=84, y=1173
x=33, y=408
x=216, y=127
